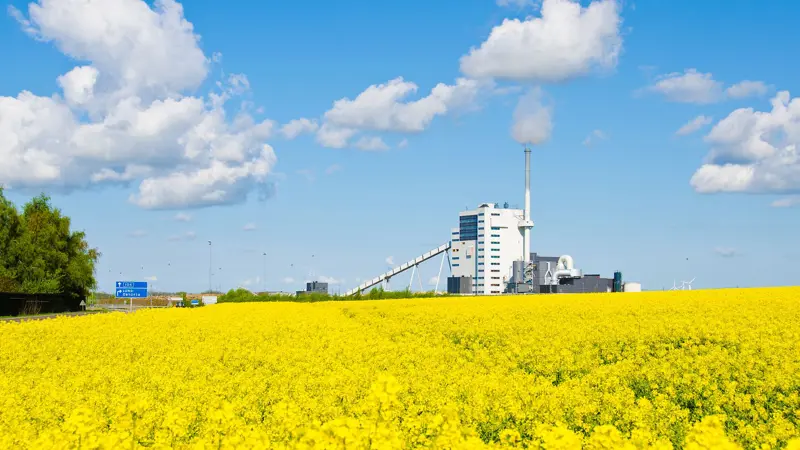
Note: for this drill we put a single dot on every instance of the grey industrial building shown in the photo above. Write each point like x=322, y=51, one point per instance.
x=315, y=287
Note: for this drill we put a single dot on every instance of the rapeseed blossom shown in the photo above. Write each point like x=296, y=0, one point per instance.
x=683, y=369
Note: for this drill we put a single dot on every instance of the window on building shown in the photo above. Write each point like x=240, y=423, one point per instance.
x=496, y=242
x=495, y=228
x=495, y=264
x=495, y=278
x=480, y=256
x=480, y=270
x=496, y=235
x=495, y=270
x=480, y=264
x=468, y=227
x=455, y=265
x=456, y=257
x=495, y=214
x=496, y=256
x=496, y=285
x=495, y=249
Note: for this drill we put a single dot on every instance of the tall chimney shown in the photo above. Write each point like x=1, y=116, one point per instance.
x=526, y=239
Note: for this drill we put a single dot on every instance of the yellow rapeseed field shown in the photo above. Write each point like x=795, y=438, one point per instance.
x=686, y=369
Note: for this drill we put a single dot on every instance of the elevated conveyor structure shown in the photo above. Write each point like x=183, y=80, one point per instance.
x=401, y=268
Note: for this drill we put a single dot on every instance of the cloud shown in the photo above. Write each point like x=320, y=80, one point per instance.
x=692, y=86
x=137, y=233
x=124, y=116
x=594, y=136
x=371, y=143
x=532, y=122
x=726, y=252
x=383, y=107
x=403, y=143
x=566, y=41
x=333, y=168
x=694, y=125
x=390, y=260
x=249, y=226
x=786, y=202
x=300, y=126
x=689, y=87
x=183, y=217
x=754, y=151
x=433, y=280
x=332, y=136
x=747, y=89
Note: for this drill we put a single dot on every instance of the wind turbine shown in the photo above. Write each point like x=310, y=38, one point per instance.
x=674, y=286
x=688, y=284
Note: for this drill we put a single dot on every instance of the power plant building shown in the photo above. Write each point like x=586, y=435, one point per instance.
x=485, y=245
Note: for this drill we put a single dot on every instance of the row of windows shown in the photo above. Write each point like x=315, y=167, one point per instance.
x=495, y=249
x=456, y=257
x=495, y=264
x=496, y=256
x=495, y=228
x=496, y=235
x=495, y=214
x=495, y=278
x=495, y=242
x=480, y=264
x=455, y=265
x=495, y=270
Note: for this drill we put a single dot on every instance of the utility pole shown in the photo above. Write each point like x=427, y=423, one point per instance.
x=264, y=281
x=209, y=266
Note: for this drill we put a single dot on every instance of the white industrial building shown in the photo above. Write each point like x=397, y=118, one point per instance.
x=485, y=246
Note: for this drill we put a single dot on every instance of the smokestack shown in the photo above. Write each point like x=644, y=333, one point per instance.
x=527, y=224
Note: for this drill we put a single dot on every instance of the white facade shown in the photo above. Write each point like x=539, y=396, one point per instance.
x=485, y=246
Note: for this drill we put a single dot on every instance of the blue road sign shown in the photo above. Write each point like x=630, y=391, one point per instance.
x=131, y=289
x=195, y=302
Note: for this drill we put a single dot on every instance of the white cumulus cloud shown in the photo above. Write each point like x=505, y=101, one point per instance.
x=694, y=125
x=565, y=41
x=371, y=143
x=300, y=126
x=693, y=86
x=747, y=89
x=383, y=107
x=754, y=151
x=124, y=116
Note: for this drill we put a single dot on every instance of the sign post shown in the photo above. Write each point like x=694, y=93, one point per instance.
x=131, y=290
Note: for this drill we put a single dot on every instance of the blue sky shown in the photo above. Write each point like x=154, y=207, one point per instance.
x=633, y=198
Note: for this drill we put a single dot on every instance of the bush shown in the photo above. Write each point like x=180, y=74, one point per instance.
x=244, y=296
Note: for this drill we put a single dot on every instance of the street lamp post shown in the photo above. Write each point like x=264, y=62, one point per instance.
x=209, y=266
x=264, y=281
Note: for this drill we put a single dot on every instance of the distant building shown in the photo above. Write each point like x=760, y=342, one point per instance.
x=315, y=287
x=484, y=247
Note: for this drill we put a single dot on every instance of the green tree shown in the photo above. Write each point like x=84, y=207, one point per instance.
x=40, y=254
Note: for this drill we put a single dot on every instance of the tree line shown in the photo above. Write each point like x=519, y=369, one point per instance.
x=244, y=296
x=40, y=253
